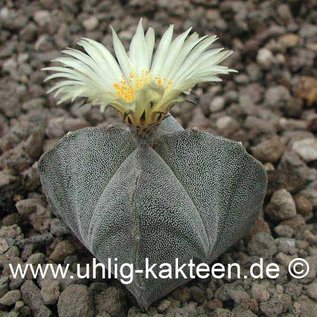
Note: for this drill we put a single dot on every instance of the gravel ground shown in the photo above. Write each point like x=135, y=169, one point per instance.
x=270, y=106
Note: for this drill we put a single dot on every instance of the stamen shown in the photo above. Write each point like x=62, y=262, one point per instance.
x=126, y=90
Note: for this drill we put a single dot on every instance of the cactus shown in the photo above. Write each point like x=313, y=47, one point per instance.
x=150, y=190
x=189, y=195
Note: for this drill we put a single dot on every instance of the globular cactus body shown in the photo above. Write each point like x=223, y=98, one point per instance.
x=186, y=195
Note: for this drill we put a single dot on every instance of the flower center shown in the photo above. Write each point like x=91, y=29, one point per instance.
x=126, y=89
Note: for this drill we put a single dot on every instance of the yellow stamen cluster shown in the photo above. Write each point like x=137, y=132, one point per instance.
x=126, y=89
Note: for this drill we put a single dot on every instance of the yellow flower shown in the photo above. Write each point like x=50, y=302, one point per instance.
x=140, y=85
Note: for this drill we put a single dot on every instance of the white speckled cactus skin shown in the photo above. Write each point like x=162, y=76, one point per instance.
x=189, y=195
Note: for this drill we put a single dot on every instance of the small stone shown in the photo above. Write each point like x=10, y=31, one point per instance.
x=3, y=285
x=265, y=58
x=55, y=128
x=284, y=259
x=221, y=312
x=272, y=307
x=215, y=303
x=303, y=205
x=62, y=250
x=3, y=245
x=308, y=30
x=310, y=192
x=312, y=290
x=50, y=291
x=289, y=40
x=73, y=124
x=217, y=104
x=307, y=90
x=40, y=220
x=307, y=307
x=164, y=305
x=227, y=125
x=198, y=294
x=110, y=300
x=277, y=96
x=259, y=292
x=28, y=206
x=306, y=148
x=91, y=23
x=12, y=232
x=295, y=223
x=11, y=219
x=10, y=298
x=182, y=294
x=75, y=301
x=269, y=150
x=282, y=206
x=36, y=258
x=241, y=312
x=293, y=289
x=285, y=13
x=58, y=228
x=42, y=17
x=286, y=245
x=32, y=297
x=237, y=293
x=18, y=305
x=34, y=144
x=260, y=225
x=284, y=231
x=262, y=244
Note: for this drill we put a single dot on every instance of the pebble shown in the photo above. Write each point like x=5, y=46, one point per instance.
x=306, y=148
x=272, y=307
x=110, y=300
x=3, y=285
x=259, y=292
x=312, y=290
x=277, y=97
x=262, y=244
x=182, y=294
x=281, y=206
x=217, y=104
x=55, y=128
x=50, y=291
x=286, y=245
x=62, y=249
x=237, y=293
x=198, y=294
x=269, y=150
x=28, y=206
x=289, y=40
x=75, y=301
x=265, y=58
x=58, y=228
x=31, y=295
x=4, y=246
x=311, y=193
x=284, y=231
x=221, y=312
x=12, y=232
x=10, y=298
x=307, y=307
x=303, y=205
x=11, y=219
x=227, y=125
x=164, y=305
x=91, y=23
x=42, y=17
